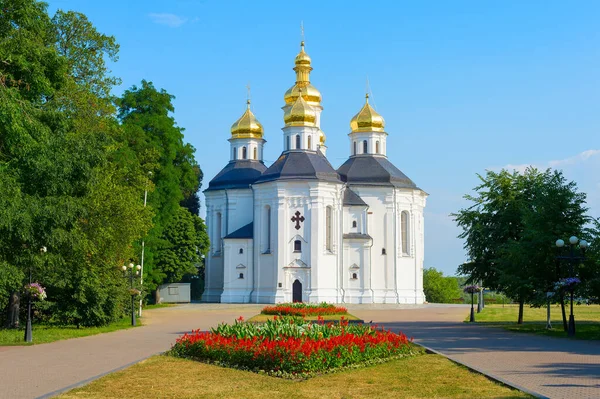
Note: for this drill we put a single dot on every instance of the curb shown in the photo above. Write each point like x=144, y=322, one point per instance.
x=490, y=376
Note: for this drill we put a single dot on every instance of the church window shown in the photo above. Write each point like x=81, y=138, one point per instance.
x=309, y=142
x=241, y=276
x=297, y=246
x=287, y=143
x=241, y=250
x=365, y=147
x=377, y=147
x=244, y=153
x=266, y=230
x=404, y=231
x=354, y=276
x=328, y=228
x=297, y=141
x=354, y=223
x=354, y=148
x=383, y=251
x=255, y=153
x=218, y=232
x=234, y=153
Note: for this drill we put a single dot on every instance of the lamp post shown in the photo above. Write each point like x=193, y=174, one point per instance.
x=572, y=258
x=28, y=330
x=143, y=246
x=129, y=272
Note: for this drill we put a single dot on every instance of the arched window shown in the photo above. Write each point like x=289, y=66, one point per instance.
x=404, y=232
x=255, y=153
x=241, y=276
x=244, y=153
x=241, y=250
x=297, y=246
x=383, y=251
x=309, y=142
x=297, y=141
x=354, y=153
x=287, y=143
x=354, y=224
x=218, y=230
x=377, y=147
x=365, y=147
x=354, y=276
x=234, y=153
x=266, y=230
x=328, y=228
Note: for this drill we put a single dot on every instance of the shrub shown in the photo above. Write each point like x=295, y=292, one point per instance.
x=291, y=346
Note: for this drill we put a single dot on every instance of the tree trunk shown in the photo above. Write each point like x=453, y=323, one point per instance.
x=564, y=312
x=521, y=303
x=156, y=296
x=12, y=319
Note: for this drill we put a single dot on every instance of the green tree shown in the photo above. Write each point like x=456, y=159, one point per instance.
x=439, y=288
x=511, y=228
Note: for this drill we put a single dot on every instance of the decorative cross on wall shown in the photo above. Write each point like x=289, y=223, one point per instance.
x=297, y=219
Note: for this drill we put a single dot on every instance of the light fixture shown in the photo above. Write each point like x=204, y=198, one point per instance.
x=573, y=240
x=560, y=243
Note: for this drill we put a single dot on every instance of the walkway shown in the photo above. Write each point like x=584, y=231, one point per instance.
x=556, y=368
x=549, y=367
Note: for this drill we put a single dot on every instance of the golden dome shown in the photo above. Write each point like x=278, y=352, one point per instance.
x=302, y=58
x=309, y=92
x=367, y=120
x=322, y=137
x=247, y=126
x=300, y=114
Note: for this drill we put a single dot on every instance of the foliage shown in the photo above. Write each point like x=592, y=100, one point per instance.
x=511, y=227
x=439, y=288
x=303, y=309
x=288, y=346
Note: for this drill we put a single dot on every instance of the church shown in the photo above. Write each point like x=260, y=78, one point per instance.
x=300, y=230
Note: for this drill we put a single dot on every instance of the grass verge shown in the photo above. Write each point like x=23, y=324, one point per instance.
x=261, y=318
x=43, y=334
x=426, y=376
x=159, y=306
x=587, y=320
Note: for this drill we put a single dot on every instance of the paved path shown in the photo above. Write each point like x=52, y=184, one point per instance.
x=556, y=368
x=41, y=370
x=550, y=367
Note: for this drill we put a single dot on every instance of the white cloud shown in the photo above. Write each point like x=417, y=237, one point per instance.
x=171, y=20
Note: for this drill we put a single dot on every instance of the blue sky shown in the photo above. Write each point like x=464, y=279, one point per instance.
x=464, y=86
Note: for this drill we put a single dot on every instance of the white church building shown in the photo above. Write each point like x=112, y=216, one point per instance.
x=300, y=230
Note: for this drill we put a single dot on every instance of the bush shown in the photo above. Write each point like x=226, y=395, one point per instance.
x=291, y=346
x=439, y=288
x=304, y=309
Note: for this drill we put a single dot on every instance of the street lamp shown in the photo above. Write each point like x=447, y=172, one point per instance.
x=143, y=245
x=572, y=258
x=28, y=330
x=129, y=271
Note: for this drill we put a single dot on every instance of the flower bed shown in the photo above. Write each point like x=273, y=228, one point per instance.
x=304, y=309
x=292, y=347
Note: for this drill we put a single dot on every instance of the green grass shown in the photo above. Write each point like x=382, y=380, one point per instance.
x=587, y=320
x=426, y=376
x=43, y=333
x=159, y=306
x=261, y=318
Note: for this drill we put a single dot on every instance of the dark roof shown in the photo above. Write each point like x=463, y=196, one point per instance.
x=244, y=232
x=300, y=165
x=237, y=174
x=352, y=199
x=357, y=236
x=373, y=170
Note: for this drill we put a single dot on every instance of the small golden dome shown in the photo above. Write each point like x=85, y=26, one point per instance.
x=300, y=114
x=322, y=137
x=367, y=120
x=247, y=126
x=302, y=58
x=309, y=92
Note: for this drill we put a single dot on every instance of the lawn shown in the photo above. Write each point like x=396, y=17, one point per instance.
x=43, y=333
x=261, y=318
x=426, y=376
x=587, y=320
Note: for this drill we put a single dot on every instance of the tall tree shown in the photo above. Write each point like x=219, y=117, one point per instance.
x=439, y=288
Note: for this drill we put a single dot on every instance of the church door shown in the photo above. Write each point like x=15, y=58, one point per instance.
x=297, y=291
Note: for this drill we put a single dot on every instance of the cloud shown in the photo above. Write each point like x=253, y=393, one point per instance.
x=556, y=164
x=171, y=20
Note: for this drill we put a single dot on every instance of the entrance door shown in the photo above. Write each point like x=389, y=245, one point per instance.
x=297, y=291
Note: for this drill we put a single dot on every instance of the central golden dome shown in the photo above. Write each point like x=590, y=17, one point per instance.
x=309, y=92
x=300, y=113
x=367, y=119
x=247, y=126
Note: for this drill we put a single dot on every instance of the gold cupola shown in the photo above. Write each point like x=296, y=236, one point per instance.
x=311, y=95
x=247, y=126
x=301, y=113
x=367, y=119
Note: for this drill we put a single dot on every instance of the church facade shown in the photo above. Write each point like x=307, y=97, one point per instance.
x=300, y=230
